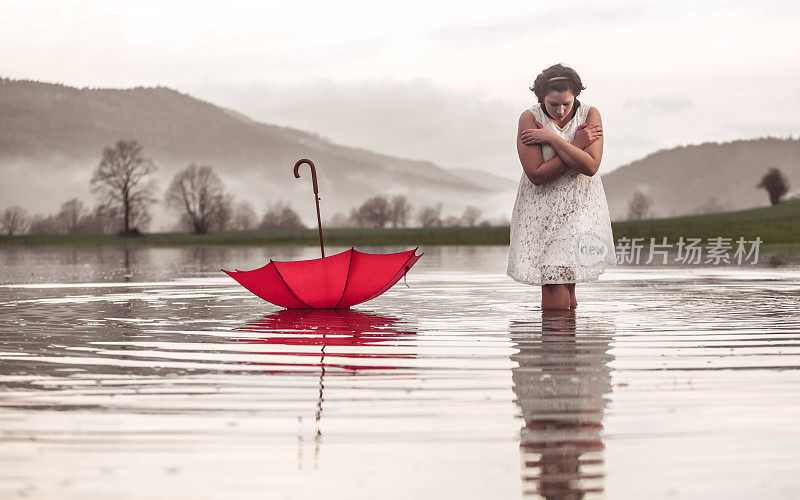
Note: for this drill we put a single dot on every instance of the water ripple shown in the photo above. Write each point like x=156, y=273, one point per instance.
x=688, y=378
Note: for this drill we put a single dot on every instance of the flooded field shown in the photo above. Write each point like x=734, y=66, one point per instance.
x=150, y=374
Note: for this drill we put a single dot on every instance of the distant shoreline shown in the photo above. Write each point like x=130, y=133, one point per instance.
x=778, y=228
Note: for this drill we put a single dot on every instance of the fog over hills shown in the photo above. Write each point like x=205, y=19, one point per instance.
x=52, y=137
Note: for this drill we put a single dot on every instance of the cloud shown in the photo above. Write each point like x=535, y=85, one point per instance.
x=418, y=119
x=489, y=32
x=411, y=119
x=543, y=24
x=668, y=104
x=765, y=127
x=633, y=141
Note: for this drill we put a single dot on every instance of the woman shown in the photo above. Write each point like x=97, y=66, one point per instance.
x=560, y=227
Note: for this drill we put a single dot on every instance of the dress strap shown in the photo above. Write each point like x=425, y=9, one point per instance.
x=583, y=109
x=535, y=112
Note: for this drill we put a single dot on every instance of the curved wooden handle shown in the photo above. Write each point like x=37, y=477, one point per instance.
x=313, y=172
x=316, y=195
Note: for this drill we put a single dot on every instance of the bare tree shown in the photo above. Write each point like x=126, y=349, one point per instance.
x=70, y=215
x=197, y=194
x=502, y=221
x=451, y=221
x=430, y=216
x=281, y=216
x=399, y=211
x=73, y=218
x=374, y=212
x=41, y=224
x=14, y=220
x=102, y=220
x=776, y=185
x=121, y=181
x=354, y=218
x=244, y=216
x=339, y=220
x=639, y=206
x=470, y=216
x=95, y=222
x=712, y=206
x=221, y=220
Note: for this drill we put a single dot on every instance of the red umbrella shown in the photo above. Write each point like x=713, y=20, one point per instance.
x=338, y=281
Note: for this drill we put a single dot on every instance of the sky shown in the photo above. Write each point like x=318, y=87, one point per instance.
x=439, y=81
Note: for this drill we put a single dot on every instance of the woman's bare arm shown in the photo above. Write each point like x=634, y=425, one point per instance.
x=537, y=170
x=584, y=161
x=531, y=156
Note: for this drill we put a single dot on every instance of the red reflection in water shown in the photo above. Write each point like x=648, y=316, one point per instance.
x=328, y=327
x=335, y=328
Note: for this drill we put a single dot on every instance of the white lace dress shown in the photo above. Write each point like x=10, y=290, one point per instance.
x=560, y=230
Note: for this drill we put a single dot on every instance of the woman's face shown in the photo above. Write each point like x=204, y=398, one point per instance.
x=559, y=104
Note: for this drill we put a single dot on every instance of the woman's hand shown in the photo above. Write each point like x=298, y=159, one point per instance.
x=539, y=135
x=587, y=134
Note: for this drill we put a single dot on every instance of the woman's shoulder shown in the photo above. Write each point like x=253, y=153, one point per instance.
x=587, y=107
x=528, y=113
x=534, y=110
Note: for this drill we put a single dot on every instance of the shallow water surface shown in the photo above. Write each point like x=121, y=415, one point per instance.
x=149, y=373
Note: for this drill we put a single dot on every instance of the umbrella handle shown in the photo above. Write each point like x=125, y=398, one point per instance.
x=316, y=194
x=313, y=172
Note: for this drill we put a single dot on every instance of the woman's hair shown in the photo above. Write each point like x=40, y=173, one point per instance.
x=541, y=86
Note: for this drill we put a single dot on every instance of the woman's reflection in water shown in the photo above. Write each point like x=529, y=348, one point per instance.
x=561, y=385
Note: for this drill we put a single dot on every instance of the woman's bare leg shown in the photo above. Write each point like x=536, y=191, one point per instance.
x=573, y=302
x=558, y=322
x=555, y=296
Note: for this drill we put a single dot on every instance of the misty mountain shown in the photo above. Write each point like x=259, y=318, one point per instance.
x=688, y=179
x=52, y=137
x=486, y=179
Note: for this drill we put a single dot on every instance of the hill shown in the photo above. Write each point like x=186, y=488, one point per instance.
x=486, y=179
x=718, y=176
x=52, y=137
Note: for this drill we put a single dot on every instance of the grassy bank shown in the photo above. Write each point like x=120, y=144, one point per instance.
x=778, y=227
x=338, y=237
x=779, y=224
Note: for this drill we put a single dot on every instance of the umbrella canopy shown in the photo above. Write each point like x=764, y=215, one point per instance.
x=335, y=282
x=338, y=281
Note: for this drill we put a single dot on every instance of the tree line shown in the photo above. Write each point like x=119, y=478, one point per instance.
x=396, y=212
x=125, y=190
